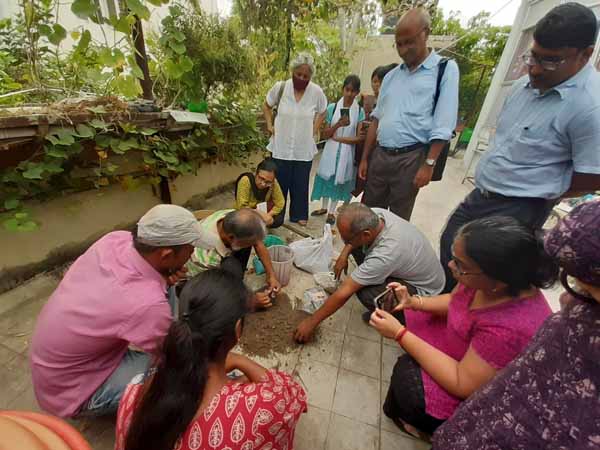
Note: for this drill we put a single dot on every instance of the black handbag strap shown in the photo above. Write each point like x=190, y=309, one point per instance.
x=276, y=106
x=441, y=70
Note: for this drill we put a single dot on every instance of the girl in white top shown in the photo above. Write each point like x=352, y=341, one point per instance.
x=335, y=178
x=301, y=107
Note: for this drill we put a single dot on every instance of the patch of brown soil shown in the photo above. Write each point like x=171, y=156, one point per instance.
x=271, y=330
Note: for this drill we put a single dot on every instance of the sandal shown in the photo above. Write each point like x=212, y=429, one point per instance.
x=330, y=219
x=411, y=431
x=318, y=212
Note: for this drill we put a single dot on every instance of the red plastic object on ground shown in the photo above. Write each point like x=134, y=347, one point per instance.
x=71, y=437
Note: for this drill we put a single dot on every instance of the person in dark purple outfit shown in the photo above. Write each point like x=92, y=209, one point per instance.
x=549, y=397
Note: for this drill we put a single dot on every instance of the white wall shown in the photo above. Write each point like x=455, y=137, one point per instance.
x=380, y=51
x=510, y=68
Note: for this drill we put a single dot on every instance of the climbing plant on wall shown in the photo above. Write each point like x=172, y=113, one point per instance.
x=102, y=152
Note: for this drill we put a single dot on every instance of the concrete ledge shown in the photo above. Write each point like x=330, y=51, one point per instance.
x=70, y=224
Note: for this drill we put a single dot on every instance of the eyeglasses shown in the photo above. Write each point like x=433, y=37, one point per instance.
x=460, y=271
x=264, y=181
x=550, y=65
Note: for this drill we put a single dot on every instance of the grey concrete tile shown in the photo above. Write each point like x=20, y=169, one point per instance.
x=348, y=434
x=14, y=379
x=356, y=326
x=325, y=348
x=391, y=441
x=99, y=432
x=319, y=381
x=106, y=440
x=6, y=354
x=356, y=304
x=390, y=342
x=390, y=356
x=362, y=356
x=18, y=325
x=40, y=286
x=25, y=401
x=312, y=429
x=349, y=305
x=338, y=321
x=357, y=397
x=436, y=201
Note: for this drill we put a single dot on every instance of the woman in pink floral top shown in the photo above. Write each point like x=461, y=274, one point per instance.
x=456, y=343
x=189, y=402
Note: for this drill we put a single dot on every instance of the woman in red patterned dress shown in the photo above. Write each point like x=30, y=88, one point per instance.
x=189, y=402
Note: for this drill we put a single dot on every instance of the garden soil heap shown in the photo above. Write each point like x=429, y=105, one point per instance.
x=271, y=330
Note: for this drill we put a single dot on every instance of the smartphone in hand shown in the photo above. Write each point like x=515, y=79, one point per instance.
x=345, y=112
x=387, y=300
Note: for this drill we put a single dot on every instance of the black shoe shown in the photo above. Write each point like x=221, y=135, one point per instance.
x=366, y=316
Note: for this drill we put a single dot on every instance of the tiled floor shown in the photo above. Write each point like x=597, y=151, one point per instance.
x=346, y=379
x=346, y=371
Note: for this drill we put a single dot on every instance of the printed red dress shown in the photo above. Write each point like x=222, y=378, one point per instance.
x=250, y=416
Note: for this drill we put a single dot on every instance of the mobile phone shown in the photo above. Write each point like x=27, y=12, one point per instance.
x=387, y=300
x=345, y=112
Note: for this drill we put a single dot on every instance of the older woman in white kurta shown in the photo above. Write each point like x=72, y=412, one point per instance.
x=301, y=107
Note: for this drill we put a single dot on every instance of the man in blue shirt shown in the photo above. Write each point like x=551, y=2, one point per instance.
x=547, y=142
x=409, y=132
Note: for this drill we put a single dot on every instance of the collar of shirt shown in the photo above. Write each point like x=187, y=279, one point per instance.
x=144, y=267
x=563, y=88
x=220, y=247
x=429, y=63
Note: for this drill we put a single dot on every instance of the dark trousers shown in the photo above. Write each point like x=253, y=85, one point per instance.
x=390, y=180
x=360, y=184
x=405, y=399
x=294, y=177
x=237, y=262
x=278, y=220
x=532, y=212
x=367, y=294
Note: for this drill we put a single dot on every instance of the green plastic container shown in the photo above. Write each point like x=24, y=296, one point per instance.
x=465, y=136
x=269, y=241
x=198, y=107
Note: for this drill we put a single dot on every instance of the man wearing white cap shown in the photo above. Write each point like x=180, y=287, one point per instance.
x=113, y=296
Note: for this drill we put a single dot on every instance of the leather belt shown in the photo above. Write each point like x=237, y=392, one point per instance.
x=406, y=149
x=488, y=194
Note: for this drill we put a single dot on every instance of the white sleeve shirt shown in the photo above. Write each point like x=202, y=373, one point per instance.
x=293, y=139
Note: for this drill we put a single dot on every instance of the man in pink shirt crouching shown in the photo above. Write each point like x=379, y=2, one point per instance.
x=113, y=296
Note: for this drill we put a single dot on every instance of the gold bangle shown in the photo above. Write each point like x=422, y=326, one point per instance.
x=421, y=302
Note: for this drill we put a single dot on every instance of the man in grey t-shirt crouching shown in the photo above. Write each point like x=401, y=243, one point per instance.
x=386, y=248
